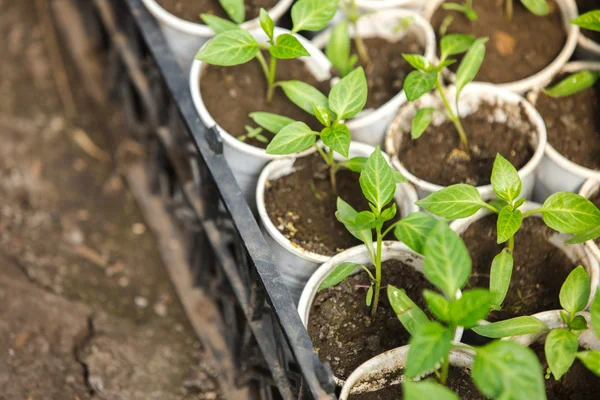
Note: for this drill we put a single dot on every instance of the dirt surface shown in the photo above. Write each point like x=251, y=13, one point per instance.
x=458, y=380
x=388, y=69
x=340, y=323
x=440, y=146
x=579, y=383
x=231, y=93
x=88, y=311
x=517, y=49
x=191, y=10
x=585, y=6
x=596, y=200
x=573, y=125
x=302, y=206
x=539, y=268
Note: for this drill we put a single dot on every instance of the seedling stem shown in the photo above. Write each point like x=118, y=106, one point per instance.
x=453, y=117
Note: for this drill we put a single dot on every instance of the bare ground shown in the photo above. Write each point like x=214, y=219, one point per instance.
x=86, y=307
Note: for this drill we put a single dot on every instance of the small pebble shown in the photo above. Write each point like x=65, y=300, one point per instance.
x=138, y=228
x=141, y=302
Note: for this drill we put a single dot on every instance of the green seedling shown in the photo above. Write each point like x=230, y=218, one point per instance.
x=338, y=49
x=564, y=212
x=589, y=21
x=427, y=76
x=346, y=99
x=466, y=8
x=501, y=370
x=537, y=7
x=562, y=344
x=253, y=133
x=234, y=46
x=352, y=16
x=235, y=11
x=378, y=183
x=572, y=84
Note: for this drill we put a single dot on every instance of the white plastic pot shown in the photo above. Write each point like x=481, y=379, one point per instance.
x=369, y=125
x=377, y=5
x=588, y=189
x=246, y=161
x=472, y=95
x=296, y=264
x=186, y=37
x=576, y=252
x=360, y=255
x=373, y=374
x=568, y=10
x=588, y=339
x=587, y=49
x=556, y=173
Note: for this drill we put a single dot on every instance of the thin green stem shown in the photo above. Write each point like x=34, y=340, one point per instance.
x=263, y=64
x=377, y=272
x=271, y=79
x=490, y=207
x=323, y=155
x=352, y=15
x=388, y=230
x=445, y=369
x=453, y=117
x=332, y=172
x=528, y=213
x=511, y=244
x=509, y=10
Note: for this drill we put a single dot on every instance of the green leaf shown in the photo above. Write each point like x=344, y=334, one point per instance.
x=304, y=95
x=500, y=274
x=389, y=212
x=234, y=9
x=589, y=20
x=509, y=371
x=337, y=138
x=447, y=263
x=583, y=237
x=427, y=389
x=578, y=324
x=591, y=359
x=444, y=64
x=428, y=346
x=338, y=48
x=338, y=274
x=455, y=43
x=322, y=115
x=473, y=306
x=269, y=121
x=560, y=349
x=520, y=202
x=452, y=202
x=421, y=121
x=407, y=311
x=218, y=24
x=266, y=23
x=287, y=46
x=470, y=64
x=417, y=83
x=418, y=61
x=312, y=15
x=369, y=298
x=575, y=291
x=570, y=213
x=377, y=181
x=355, y=164
x=414, y=229
x=349, y=95
x=505, y=180
x=365, y=220
x=438, y=305
x=595, y=314
x=398, y=177
x=292, y=139
x=538, y=7
x=572, y=84
x=229, y=48
x=511, y=327
x=508, y=223
x=347, y=215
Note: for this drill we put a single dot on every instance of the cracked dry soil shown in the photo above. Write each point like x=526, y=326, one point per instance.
x=86, y=307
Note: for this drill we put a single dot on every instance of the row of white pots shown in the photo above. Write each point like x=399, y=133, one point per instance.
x=372, y=374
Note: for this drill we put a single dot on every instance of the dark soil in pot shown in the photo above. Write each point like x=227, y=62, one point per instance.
x=231, y=93
x=539, y=268
x=440, y=146
x=387, y=70
x=190, y=10
x=573, y=125
x=585, y=6
x=579, y=383
x=302, y=206
x=516, y=50
x=340, y=323
x=459, y=381
x=596, y=200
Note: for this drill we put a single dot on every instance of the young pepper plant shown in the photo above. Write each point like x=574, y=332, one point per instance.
x=502, y=370
x=466, y=8
x=572, y=84
x=561, y=344
x=378, y=183
x=352, y=16
x=426, y=76
x=234, y=46
x=537, y=7
x=564, y=212
x=346, y=99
